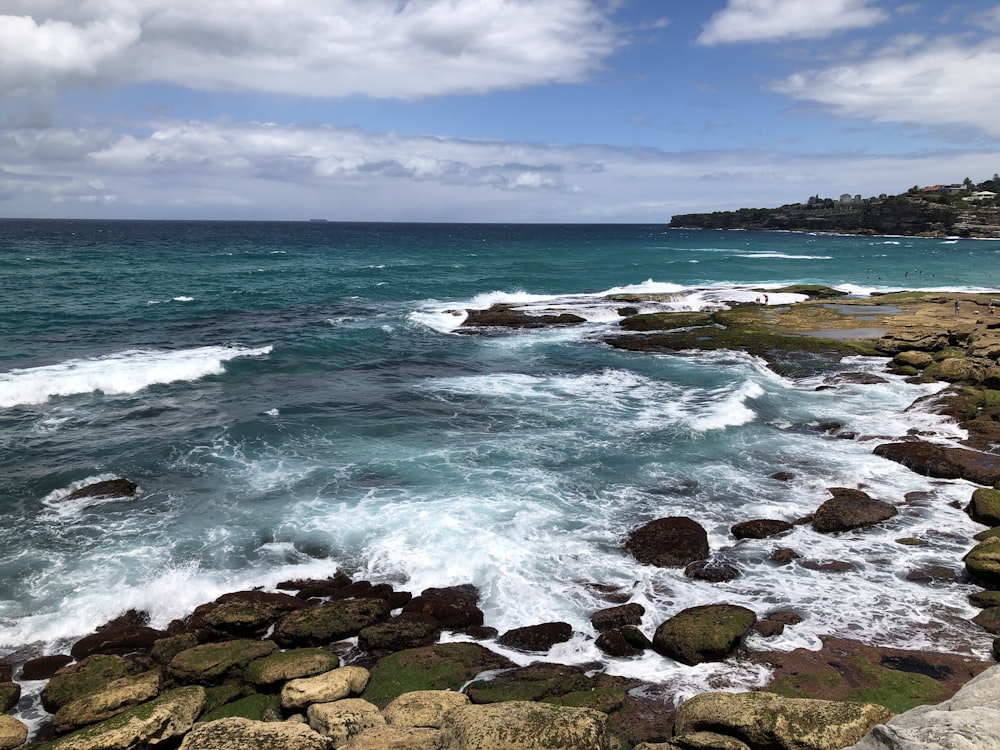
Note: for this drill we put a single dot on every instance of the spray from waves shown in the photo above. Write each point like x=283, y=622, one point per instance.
x=782, y=256
x=114, y=374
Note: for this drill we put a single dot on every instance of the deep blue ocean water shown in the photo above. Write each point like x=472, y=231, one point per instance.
x=293, y=400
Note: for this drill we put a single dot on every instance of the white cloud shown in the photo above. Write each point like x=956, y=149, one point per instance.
x=322, y=48
x=941, y=83
x=775, y=20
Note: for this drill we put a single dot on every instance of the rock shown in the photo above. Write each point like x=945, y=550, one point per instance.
x=760, y=528
x=43, y=667
x=324, y=688
x=169, y=716
x=122, y=640
x=766, y=720
x=984, y=507
x=109, y=488
x=932, y=574
x=166, y=649
x=617, y=617
x=784, y=555
x=983, y=562
x=783, y=476
x=290, y=665
x=423, y=708
x=443, y=666
x=84, y=678
x=409, y=630
x=557, y=684
x=850, y=509
x=10, y=694
x=769, y=628
x=212, y=662
x=943, y=462
x=985, y=599
x=326, y=623
x=396, y=738
x=697, y=741
x=828, y=566
x=344, y=719
x=505, y=316
x=537, y=637
x=523, y=725
x=636, y=638
x=12, y=733
x=249, y=613
x=713, y=571
x=706, y=633
x=970, y=719
x=227, y=734
x=665, y=321
x=613, y=643
x=989, y=620
x=455, y=607
x=256, y=707
x=110, y=700
x=913, y=358
x=669, y=542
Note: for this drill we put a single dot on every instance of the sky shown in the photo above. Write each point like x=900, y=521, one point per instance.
x=486, y=110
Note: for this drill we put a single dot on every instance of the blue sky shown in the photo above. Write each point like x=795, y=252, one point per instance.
x=486, y=110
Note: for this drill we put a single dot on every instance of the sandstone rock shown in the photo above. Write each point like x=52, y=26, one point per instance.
x=970, y=720
x=983, y=562
x=454, y=607
x=409, y=630
x=984, y=507
x=326, y=623
x=617, y=617
x=913, y=358
x=324, y=688
x=290, y=665
x=169, y=716
x=117, y=640
x=110, y=700
x=341, y=720
x=669, y=542
x=697, y=741
x=12, y=733
x=84, y=678
x=943, y=462
x=423, y=708
x=760, y=528
x=706, y=633
x=166, y=649
x=109, y=488
x=227, y=734
x=537, y=637
x=396, y=738
x=213, y=662
x=768, y=720
x=249, y=613
x=523, y=725
x=10, y=694
x=850, y=509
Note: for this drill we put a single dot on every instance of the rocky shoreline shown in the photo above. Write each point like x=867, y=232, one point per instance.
x=352, y=664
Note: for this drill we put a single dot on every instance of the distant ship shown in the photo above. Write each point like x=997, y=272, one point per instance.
x=318, y=219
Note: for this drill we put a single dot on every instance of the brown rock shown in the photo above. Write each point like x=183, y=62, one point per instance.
x=454, y=607
x=108, y=488
x=616, y=617
x=117, y=640
x=760, y=528
x=943, y=462
x=669, y=542
x=850, y=509
x=537, y=637
x=706, y=633
x=43, y=667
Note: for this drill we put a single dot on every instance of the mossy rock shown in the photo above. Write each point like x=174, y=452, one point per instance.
x=706, y=633
x=665, y=321
x=10, y=694
x=985, y=506
x=992, y=533
x=326, y=623
x=213, y=662
x=913, y=358
x=985, y=599
x=290, y=665
x=166, y=649
x=257, y=707
x=812, y=291
x=220, y=695
x=444, y=666
x=536, y=682
x=85, y=678
x=983, y=561
x=410, y=631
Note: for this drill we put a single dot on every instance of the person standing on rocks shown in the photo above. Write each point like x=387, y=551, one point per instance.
x=957, y=306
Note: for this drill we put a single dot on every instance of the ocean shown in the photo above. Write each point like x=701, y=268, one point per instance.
x=295, y=400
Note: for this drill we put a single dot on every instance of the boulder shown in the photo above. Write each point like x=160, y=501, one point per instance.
x=256, y=707
x=506, y=316
x=540, y=681
x=341, y=720
x=396, y=738
x=696, y=741
x=166, y=649
x=943, y=462
x=913, y=358
x=850, y=509
x=989, y=620
x=983, y=562
x=324, y=688
x=423, y=708
x=443, y=666
x=326, y=623
x=84, y=678
x=454, y=607
x=760, y=528
x=523, y=725
x=108, y=488
x=122, y=640
x=290, y=665
x=766, y=720
x=985, y=599
x=614, y=643
x=668, y=542
x=715, y=570
x=706, y=633
x=409, y=630
x=10, y=694
x=984, y=507
x=169, y=716
x=969, y=720
x=43, y=667
x=249, y=613
x=613, y=618
x=226, y=734
x=110, y=700
x=537, y=637
x=13, y=733
x=211, y=663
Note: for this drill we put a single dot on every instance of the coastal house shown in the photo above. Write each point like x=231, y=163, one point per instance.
x=982, y=195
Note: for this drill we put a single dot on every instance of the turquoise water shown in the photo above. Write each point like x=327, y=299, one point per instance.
x=293, y=399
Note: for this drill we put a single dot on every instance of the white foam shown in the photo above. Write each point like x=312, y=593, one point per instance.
x=788, y=256
x=120, y=373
